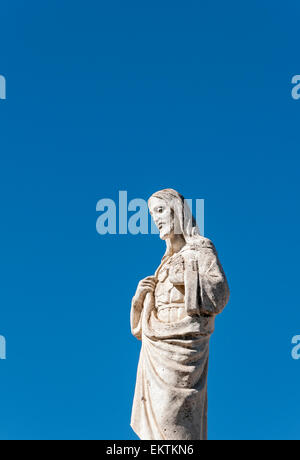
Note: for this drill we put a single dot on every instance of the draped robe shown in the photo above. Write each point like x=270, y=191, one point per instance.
x=170, y=401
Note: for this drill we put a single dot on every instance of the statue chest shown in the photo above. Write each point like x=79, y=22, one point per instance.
x=170, y=284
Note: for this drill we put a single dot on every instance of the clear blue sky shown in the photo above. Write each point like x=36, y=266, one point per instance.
x=105, y=96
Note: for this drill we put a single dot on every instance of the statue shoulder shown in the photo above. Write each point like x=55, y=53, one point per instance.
x=207, y=243
x=200, y=243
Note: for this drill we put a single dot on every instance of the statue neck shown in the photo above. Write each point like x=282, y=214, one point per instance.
x=176, y=243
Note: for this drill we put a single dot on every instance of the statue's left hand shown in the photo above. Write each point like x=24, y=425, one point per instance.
x=145, y=285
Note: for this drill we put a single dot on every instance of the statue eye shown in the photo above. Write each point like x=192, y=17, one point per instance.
x=160, y=210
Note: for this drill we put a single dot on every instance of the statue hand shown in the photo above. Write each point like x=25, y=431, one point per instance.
x=145, y=285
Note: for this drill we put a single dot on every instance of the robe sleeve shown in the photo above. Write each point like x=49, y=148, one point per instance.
x=213, y=286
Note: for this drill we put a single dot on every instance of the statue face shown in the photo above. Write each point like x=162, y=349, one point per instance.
x=163, y=216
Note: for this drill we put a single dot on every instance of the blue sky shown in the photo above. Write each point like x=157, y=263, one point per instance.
x=138, y=96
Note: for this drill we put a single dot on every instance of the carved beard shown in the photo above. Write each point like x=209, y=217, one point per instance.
x=169, y=228
x=166, y=231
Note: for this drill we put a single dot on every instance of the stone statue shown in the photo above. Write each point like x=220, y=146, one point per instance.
x=173, y=313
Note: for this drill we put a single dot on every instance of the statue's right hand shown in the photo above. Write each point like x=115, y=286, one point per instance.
x=145, y=285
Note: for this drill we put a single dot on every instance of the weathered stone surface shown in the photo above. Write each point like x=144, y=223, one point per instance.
x=173, y=314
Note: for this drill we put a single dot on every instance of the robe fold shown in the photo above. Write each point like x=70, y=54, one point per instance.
x=170, y=401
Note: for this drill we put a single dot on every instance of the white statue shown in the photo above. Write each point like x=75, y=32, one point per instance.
x=173, y=314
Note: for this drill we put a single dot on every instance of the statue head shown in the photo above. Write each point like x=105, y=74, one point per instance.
x=172, y=215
